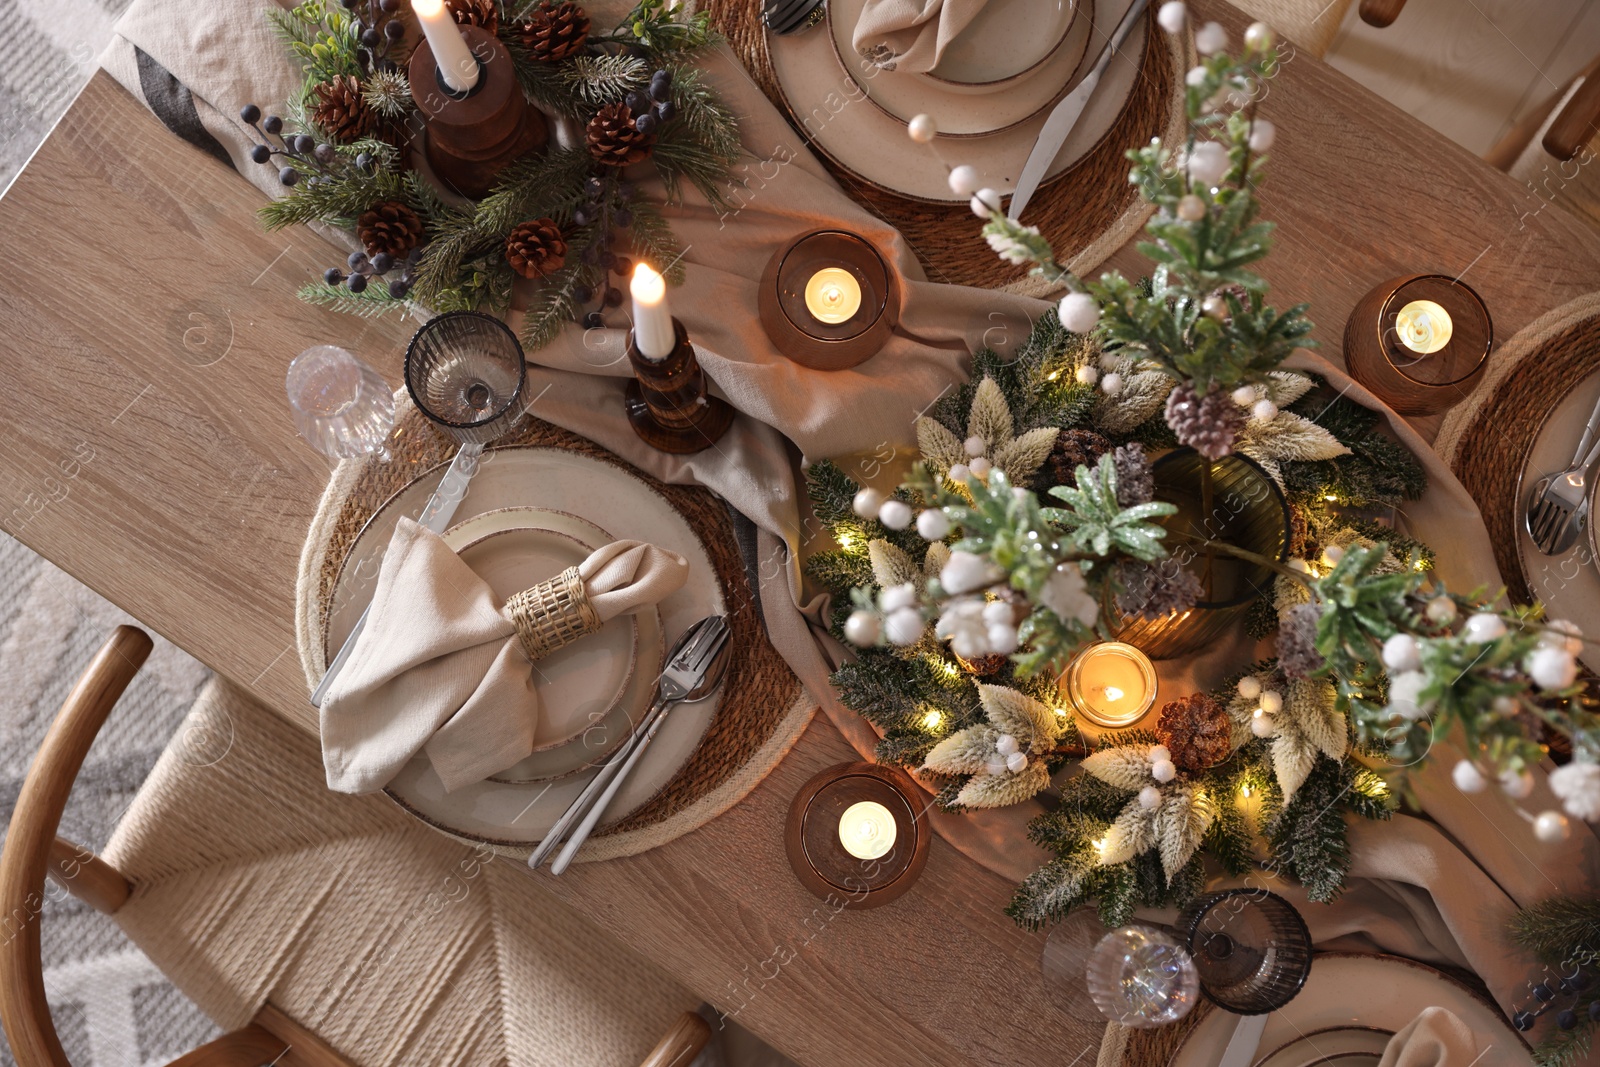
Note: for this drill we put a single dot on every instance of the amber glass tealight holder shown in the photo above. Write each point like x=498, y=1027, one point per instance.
x=857, y=834
x=1420, y=342
x=828, y=300
x=1112, y=684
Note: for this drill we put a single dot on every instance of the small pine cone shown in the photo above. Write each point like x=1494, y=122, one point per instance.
x=389, y=227
x=1155, y=590
x=1073, y=448
x=1197, y=731
x=341, y=110
x=554, y=31
x=482, y=13
x=536, y=248
x=1135, y=482
x=1207, y=424
x=613, y=141
x=1297, y=642
x=984, y=666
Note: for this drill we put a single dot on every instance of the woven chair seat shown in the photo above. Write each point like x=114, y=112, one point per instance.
x=394, y=944
x=1310, y=24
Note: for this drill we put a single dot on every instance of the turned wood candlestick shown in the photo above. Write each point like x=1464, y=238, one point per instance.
x=473, y=136
x=667, y=401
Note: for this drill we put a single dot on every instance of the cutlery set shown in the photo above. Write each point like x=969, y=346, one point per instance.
x=1557, y=510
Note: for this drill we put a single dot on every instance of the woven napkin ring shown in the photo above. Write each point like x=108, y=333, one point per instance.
x=552, y=614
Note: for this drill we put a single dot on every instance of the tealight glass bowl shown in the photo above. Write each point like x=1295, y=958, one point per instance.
x=803, y=337
x=1413, y=382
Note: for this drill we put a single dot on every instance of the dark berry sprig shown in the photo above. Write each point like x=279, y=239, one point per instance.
x=606, y=207
x=653, y=107
x=380, y=32
x=362, y=268
x=298, y=154
x=1549, y=996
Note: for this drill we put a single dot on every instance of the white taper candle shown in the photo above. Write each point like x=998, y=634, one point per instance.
x=653, y=333
x=455, y=60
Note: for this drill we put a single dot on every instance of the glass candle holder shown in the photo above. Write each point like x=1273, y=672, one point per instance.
x=1420, y=343
x=1111, y=684
x=1141, y=977
x=1251, y=948
x=828, y=300
x=857, y=834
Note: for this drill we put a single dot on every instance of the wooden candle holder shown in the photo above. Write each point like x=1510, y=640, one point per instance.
x=473, y=136
x=811, y=835
x=1410, y=383
x=667, y=402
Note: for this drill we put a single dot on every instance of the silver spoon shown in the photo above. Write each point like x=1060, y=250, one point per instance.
x=708, y=684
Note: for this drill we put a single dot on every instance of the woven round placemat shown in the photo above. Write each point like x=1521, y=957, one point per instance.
x=1088, y=211
x=1486, y=439
x=763, y=709
x=1123, y=1046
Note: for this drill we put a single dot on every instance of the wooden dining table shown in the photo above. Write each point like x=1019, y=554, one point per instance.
x=148, y=452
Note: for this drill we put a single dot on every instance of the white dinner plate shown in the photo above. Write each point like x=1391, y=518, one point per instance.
x=1569, y=584
x=592, y=691
x=959, y=112
x=840, y=121
x=519, y=814
x=1380, y=992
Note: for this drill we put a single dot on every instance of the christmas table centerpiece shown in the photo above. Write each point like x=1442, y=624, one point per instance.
x=1035, y=525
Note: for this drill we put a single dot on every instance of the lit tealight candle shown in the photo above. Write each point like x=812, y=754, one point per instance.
x=456, y=62
x=867, y=830
x=653, y=334
x=1111, y=684
x=833, y=295
x=1423, y=326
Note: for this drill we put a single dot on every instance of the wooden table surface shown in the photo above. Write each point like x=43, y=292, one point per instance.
x=148, y=452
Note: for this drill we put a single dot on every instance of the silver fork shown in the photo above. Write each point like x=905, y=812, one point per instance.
x=691, y=646
x=1556, y=509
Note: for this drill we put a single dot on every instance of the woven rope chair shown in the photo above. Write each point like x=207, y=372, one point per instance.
x=319, y=930
x=1313, y=24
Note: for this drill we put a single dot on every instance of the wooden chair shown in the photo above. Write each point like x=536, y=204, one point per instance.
x=1552, y=148
x=33, y=850
x=1313, y=24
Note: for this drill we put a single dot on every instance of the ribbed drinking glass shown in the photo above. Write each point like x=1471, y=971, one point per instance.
x=341, y=406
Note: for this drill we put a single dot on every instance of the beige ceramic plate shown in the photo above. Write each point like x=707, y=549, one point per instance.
x=1569, y=584
x=579, y=725
x=519, y=814
x=1007, y=41
x=960, y=113
x=1337, y=1044
x=840, y=121
x=1375, y=992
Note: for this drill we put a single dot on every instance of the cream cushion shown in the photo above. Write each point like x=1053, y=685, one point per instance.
x=393, y=943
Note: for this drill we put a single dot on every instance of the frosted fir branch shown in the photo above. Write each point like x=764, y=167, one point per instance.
x=604, y=79
x=370, y=303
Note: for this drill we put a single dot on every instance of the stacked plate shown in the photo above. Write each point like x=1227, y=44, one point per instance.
x=593, y=691
x=990, y=94
x=1345, y=1014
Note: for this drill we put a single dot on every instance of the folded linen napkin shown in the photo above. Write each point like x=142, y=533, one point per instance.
x=444, y=668
x=910, y=35
x=1438, y=1038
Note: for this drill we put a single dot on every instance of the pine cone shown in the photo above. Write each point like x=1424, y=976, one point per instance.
x=340, y=110
x=389, y=227
x=1299, y=531
x=1197, y=731
x=1155, y=590
x=1207, y=424
x=985, y=666
x=555, y=31
x=1297, y=641
x=1072, y=449
x=613, y=140
x=482, y=13
x=536, y=248
x=1136, y=484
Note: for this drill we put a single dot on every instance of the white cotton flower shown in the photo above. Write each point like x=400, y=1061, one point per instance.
x=1111, y=384
x=904, y=627
x=1158, y=753
x=997, y=613
x=1483, y=628
x=1402, y=653
x=933, y=524
x=1578, y=786
x=1078, y=312
x=1165, y=771
x=1405, y=692
x=1066, y=594
x=1149, y=797
x=966, y=572
x=1249, y=687
x=1086, y=374
x=898, y=596
x=1552, y=668
x=1003, y=639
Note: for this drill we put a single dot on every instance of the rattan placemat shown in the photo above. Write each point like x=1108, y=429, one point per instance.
x=1125, y=1047
x=1088, y=211
x=763, y=708
x=1486, y=439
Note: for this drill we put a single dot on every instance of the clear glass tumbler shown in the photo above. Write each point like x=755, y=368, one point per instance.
x=465, y=371
x=341, y=406
x=1141, y=977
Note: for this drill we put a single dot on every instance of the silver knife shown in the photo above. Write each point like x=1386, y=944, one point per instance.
x=435, y=518
x=1058, y=127
x=1241, y=1050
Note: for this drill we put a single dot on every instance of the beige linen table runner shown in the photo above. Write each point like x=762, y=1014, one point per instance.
x=1437, y=891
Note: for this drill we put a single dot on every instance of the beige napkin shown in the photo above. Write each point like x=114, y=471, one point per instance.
x=439, y=668
x=1436, y=1038
x=910, y=35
